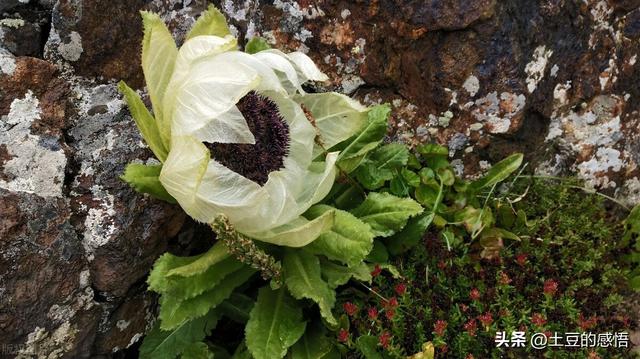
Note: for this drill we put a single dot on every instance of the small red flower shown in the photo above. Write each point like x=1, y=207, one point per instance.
x=550, y=287
x=350, y=308
x=464, y=307
x=469, y=356
x=586, y=324
x=439, y=327
x=538, y=319
x=401, y=289
x=471, y=326
x=548, y=334
x=376, y=271
x=474, y=294
x=372, y=313
x=504, y=278
x=343, y=336
x=389, y=313
x=486, y=319
x=393, y=302
x=521, y=259
x=442, y=265
x=384, y=339
x=444, y=349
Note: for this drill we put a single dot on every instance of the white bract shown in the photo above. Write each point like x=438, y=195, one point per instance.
x=194, y=91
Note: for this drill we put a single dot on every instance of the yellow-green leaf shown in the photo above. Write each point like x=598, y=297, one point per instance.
x=211, y=22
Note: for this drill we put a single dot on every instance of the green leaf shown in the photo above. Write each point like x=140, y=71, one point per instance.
x=411, y=235
x=275, y=324
x=237, y=307
x=201, y=263
x=144, y=179
x=381, y=164
x=399, y=186
x=632, y=225
x=379, y=254
x=337, y=275
x=242, y=352
x=385, y=213
x=146, y=124
x=349, y=240
x=189, y=287
x=410, y=177
x=197, y=351
x=368, y=139
x=313, y=345
x=303, y=278
x=159, y=52
x=368, y=346
x=499, y=172
x=157, y=279
x=160, y=344
x=211, y=22
x=174, y=312
x=256, y=44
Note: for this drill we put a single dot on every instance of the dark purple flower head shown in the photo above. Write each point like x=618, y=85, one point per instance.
x=271, y=132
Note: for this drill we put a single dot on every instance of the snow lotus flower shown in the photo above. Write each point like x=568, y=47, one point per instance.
x=238, y=135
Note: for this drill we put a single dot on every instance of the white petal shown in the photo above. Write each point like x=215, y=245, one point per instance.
x=318, y=184
x=269, y=81
x=307, y=67
x=283, y=66
x=337, y=116
x=298, y=232
x=212, y=89
x=228, y=127
x=182, y=172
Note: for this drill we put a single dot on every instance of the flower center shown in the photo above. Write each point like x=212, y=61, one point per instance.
x=271, y=132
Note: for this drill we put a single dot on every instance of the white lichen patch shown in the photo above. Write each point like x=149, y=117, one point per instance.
x=42, y=344
x=13, y=23
x=629, y=192
x=560, y=93
x=344, y=14
x=594, y=170
x=594, y=126
x=554, y=70
x=472, y=85
x=72, y=49
x=7, y=62
x=535, y=68
x=122, y=324
x=497, y=112
x=33, y=168
x=99, y=225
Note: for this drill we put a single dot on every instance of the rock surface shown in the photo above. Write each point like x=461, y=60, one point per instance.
x=556, y=79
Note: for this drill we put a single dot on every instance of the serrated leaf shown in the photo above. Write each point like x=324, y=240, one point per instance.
x=211, y=22
x=159, y=344
x=368, y=139
x=337, y=275
x=159, y=52
x=410, y=177
x=313, y=345
x=349, y=240
x=187, y=287
x=146, y=124
x=275, y=324
x=197, y=351
x=498, y=172
x=368, y=346
x=392, y=155
x=303, y=279
x=410, y=235
x=201, y=263
x=399, y=186
x=174, y=312
x=385, y=213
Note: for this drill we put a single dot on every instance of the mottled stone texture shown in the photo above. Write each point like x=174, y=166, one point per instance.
x=556, y=79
